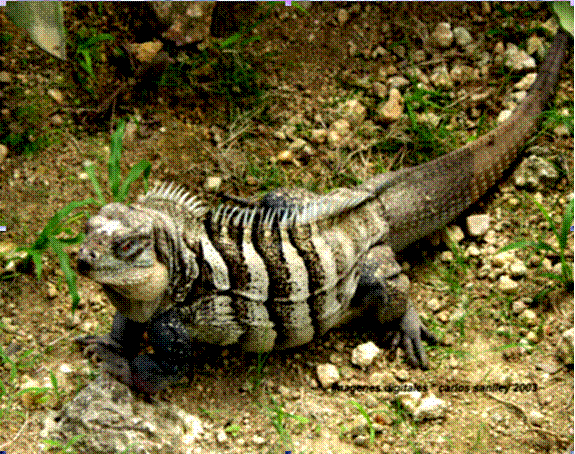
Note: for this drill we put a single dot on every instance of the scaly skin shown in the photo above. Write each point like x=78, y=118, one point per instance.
x=276, y=274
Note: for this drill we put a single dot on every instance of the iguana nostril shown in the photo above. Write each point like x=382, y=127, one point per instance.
x=83, y=266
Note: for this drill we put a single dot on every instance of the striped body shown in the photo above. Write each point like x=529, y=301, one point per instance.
x=268, y=279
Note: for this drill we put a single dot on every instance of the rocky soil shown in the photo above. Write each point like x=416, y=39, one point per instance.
x=329, y=94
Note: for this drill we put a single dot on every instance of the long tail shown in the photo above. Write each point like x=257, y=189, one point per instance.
x=422, y=199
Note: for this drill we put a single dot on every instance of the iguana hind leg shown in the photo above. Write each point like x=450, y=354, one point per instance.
x=385, y=289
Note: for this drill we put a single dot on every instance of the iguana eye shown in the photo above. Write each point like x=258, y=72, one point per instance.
x=129, y=247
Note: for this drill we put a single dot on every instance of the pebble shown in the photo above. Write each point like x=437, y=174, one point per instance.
x=446, y=256
x=431, y=407
x=318, y=135
x=462, y=36
x=478, y=224
x=565, y=347
x=472, y=251
x=536, y=417
x=529, y=317
x=442, y=35
x=213, y=183
x=409, y=399
x=364, y=354
x=452, y=234
x=354, y=112
x=526, y=82
x=507, y=285
x=392, y=109
x=518, y=306
x=503, y=258
x=518, y=269
x=327, y=374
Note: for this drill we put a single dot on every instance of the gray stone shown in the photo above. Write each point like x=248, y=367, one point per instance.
x=111, y=419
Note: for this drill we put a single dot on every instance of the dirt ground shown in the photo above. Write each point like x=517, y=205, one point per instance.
x=307, y=64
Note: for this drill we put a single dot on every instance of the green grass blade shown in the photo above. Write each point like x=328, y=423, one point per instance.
x=141, y=168
x=97, y=189
x=69, y=274
x=115, y=155
x=566, y=224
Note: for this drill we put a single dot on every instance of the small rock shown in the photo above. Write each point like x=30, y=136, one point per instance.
x=446, y=256
x=535, y=45
x=440, y=77
x=532, y=337
x=318, y=135
x=452, y=234
x=561, y=131
x=430, y=118
x=392, y=109
x=354, y=112
x=401, y=374
x=52, y=291
x=551, y=25
x=5, y=77
x=334, y=138
x=442, y=35
x=56, y=95
x=258, y=440
x=537, y=418
x=507, y=285
x=503, y=258
x=518, y=306
x=364, y=354
x=503, y=115
x=213, y=183
x=3, y=152
x=341, y=126
x=297, y=144
x=419, y=56
x=518, y=59
x=478, y=224
x=518, y=269
x=430, y=408
x=472, y=251
x=342, y=16
x=327, y=374
x=409, y=399
x=462, y=36
x=379, y=89
x=535, y=171
x=526, y=82
x=397, y=81
x=221, y=436
x=434, y=304
x=529, y=317
x=361, y=440
x=565, y=347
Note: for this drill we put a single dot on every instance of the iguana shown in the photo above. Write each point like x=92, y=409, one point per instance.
x=290, y=267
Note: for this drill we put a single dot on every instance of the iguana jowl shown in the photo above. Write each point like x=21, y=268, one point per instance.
x=290, y=268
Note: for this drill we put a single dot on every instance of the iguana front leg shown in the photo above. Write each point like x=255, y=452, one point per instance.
x=385, y=289
x=149, y=373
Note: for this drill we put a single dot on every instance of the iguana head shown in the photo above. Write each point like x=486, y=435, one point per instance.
x=119, y=253
x=143, y=254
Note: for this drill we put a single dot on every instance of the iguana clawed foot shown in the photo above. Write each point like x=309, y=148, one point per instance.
x=149, y=373
x=110, y=353
x=410, y=335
